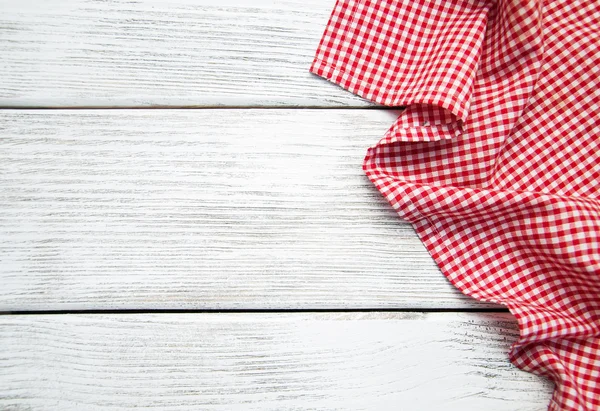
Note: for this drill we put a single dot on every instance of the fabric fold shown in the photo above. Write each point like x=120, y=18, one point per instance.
x=395, y=67
x=496, y=158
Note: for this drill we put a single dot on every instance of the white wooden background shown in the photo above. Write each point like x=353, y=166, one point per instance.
x=171, y=258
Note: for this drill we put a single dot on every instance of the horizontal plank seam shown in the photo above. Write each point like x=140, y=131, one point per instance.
x=258, y=311
x=193, y=107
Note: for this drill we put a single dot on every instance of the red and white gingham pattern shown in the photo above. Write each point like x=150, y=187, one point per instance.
x=496, y=160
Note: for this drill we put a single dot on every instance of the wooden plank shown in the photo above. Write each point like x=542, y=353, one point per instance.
x=117, y=53
x=376, y=361
x=238, y=209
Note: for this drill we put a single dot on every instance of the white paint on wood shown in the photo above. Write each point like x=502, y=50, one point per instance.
x=376, y=361
x=203, y=209
x=213, y=209
x=163, y=53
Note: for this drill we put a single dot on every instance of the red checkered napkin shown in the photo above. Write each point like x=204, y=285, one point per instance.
x=495, y=161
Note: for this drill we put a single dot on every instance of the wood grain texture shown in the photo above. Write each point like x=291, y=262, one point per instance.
x=264, y=362
x=115, y=209
x=121, y=53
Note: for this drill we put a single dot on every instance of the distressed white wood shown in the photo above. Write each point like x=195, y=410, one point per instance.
x=203, y=209
x=163, y=53
x=375, y=361
x=213, y=209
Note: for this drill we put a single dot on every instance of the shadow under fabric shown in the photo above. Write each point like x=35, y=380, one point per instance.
x=496, y=159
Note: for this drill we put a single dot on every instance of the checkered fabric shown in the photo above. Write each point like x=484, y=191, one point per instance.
x=495, y=160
